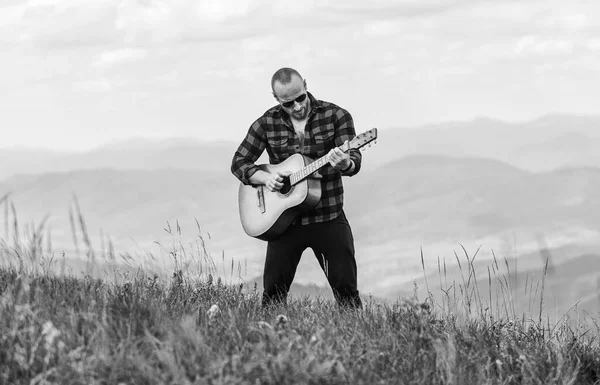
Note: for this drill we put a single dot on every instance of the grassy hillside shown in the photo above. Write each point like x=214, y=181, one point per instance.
x=113, y=323
x=140, y=329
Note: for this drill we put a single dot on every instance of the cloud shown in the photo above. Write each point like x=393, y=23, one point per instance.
x=56, y=23
x=381, y=28
x=94, y=86
x=124, y=55
x=72, y=22
x=222, y=10
x=11, y=15
x=543, y=46
x=295, y=9
x=10, y=21
x=147, y=22
x=126, y=45
x=568, y=20
x=66, y=23
x=594, y=44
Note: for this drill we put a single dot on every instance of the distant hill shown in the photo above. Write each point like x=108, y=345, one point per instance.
x=489, y=138
x=471, y=197
x=570, y=149
x=131, y=203
x=15, y=161
x=126, y=155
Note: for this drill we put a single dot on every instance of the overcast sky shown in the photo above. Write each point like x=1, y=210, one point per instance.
x=75, y=74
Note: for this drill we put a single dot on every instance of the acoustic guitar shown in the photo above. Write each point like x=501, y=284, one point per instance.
x=267, y=214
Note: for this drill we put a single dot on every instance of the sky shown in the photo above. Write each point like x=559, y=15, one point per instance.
x=77, y=74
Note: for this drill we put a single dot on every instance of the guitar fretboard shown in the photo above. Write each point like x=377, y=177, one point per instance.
x=356, y=143
x=304, y=172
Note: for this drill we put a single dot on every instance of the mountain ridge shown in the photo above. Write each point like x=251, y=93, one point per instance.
x=481, y=137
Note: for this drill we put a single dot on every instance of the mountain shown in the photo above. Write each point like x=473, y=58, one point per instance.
x=470, y=197
x=14, y=161
x=570, y=149
x=141, y=143
x=431, y=202
x=126, y=155
x=489, y=138
x=544, y=144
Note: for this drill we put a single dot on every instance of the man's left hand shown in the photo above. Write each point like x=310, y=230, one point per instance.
x=338, y=159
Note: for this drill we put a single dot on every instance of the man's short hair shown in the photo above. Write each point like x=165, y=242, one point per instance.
x=284, y=76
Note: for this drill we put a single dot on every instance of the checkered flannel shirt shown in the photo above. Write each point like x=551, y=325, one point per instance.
x=328, y=126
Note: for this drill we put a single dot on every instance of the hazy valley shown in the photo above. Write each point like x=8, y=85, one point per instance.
x=517, y=190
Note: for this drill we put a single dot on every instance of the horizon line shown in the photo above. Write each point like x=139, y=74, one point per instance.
x=154, y=139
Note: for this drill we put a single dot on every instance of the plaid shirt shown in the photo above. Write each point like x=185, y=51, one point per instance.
x=327, y=126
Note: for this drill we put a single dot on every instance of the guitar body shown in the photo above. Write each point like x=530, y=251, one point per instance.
x=267, y=214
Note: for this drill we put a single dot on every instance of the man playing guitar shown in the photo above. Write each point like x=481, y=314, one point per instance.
x=301, y=124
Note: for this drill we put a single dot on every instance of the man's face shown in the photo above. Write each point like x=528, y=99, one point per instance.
x=287, y=95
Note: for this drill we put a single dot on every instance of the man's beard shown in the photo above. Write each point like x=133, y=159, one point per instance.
x=300, y=115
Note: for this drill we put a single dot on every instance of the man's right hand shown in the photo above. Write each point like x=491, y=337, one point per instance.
x=272, y=181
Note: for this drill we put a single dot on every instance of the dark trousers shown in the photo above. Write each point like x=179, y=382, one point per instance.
x=333, y=245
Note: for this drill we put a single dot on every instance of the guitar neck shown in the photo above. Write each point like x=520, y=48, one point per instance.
x=305, y=172
x=318, y=164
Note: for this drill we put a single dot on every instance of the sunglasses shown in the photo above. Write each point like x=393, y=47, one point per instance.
x=299, y=99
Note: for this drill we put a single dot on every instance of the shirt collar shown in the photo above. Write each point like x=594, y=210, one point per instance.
x=314, y=103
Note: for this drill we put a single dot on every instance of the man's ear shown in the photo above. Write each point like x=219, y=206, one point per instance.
x=305, y=87
x=275, y=96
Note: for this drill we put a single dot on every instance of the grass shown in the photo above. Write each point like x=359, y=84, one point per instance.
x=139, y=328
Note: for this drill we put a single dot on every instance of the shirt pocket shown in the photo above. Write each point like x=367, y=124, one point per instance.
x=278, y=145
x=323, y=141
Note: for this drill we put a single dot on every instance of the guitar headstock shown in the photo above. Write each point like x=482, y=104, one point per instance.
x=363, y=139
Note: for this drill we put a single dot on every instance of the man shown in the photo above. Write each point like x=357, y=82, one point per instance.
x=302, y=124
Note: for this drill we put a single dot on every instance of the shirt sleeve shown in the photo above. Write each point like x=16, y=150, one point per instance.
x=344, y=130
x=243, y=163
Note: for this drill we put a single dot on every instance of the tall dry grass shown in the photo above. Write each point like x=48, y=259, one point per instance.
x=188, y=328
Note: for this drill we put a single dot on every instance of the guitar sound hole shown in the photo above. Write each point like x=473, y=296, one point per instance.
x=287, y=187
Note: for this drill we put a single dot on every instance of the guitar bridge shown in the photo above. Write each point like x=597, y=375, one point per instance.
x=261, y=199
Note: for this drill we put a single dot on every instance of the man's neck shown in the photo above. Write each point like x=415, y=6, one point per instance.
x=299, y=127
